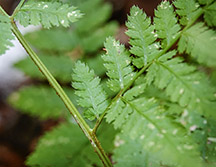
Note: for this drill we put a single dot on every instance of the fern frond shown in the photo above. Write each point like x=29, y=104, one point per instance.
x=5, y=34
x=186, y=11
x=58, y=65
x=117, y=62
x=205, y=2
x=183, y=84
x=165, y=22
x=67, y=146
x=210, y=15
x=200, y=43
x=145, y=122
x=39, y=101
x=142, y=37
x=88, y=88
x=47, y=13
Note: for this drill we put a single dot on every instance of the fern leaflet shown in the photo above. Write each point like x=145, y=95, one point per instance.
x=117, y=62
x=5, y=34
x=183, y=84
x=88, y=88
x=165, y=22
x=187, y=11
x=142, y=37
x=200, y=43
x=47, y=13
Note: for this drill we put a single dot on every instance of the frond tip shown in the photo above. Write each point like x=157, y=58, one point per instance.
x=47, y=13
x=88, y=88
x=117, y=62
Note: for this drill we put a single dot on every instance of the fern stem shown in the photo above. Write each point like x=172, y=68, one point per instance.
x=18, y=8
x=3, y=12
x=60, y=92
x=199, y=13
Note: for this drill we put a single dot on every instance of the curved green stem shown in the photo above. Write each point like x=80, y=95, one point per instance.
x=60, y=92
x=18, y=8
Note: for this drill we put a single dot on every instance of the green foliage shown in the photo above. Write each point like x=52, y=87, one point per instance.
x=165, y=103
x=166, y=23
x=40, y=101
x=210, y=15
x=117, y=64
x=143, y=42
x=88, y=88
x=79, y=38
x=186, y=11
x=47, y=13
x=64, y=67
x=200, y=43
x=5, y=34
x=67, y=146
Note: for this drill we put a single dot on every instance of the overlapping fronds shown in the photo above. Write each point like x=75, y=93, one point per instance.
x=5, y=34
x=88, y=88
x=183, y=84
x=67, y=146
x=40, y=101
x=145, y=122
x=142, y=37
x=117, y=63
x=200, y=43
x=186, y=10
x=165, y=22
x=47, y=13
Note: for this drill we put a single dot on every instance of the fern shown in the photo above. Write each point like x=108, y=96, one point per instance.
x=187, y=11
x=5, y=34
x=88, y=88
x=70, y=146
x=65, y=66
x=43, y=102
x=200, y=43
x=183, y=84
x=143, y=42
x=166, y=23
x=210, y=15
x=47, y=13
x=117, y=64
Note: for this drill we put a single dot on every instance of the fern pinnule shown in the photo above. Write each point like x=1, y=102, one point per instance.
x=142, y=37
x=47, y=13
x=165, y=22
x=117, y=62
x=210, y=14
x=88, y=88
x=5, y=34
x=186, y=11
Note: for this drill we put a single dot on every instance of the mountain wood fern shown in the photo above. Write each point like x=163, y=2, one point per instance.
x=163, y=105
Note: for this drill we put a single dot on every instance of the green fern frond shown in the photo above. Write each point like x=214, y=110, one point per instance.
x=183, y=84
x=165, y=22
x=204, y=2
x=144, y=121
x=47, y=13
x=58, y=65
x=5, y=34
x=39, y=101
x=186, y=10
x=64, y=146
x=88, y=88
x=200, y=43
x=210, y=15
x=142, y=37
x=117, y=62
